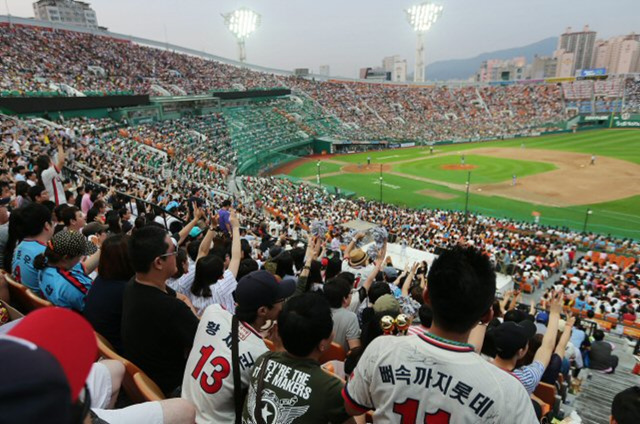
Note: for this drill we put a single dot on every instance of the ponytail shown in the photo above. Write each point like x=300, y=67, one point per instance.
x=40, y=261
x=49, y=257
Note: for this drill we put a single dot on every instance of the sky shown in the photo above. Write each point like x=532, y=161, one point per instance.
x=350, y=34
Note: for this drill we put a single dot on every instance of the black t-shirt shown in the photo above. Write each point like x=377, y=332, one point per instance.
x=103, y=309
x=157, y=333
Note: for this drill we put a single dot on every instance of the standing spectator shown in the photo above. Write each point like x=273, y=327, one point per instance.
x=211, y=386
x=437, y=374
x=223, y=217
x=103, y=305
x=50, y=175
x=314, y=397
x=600, y=356
x=158, y=326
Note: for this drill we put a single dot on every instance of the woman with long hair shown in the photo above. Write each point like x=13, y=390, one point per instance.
x=103, y=305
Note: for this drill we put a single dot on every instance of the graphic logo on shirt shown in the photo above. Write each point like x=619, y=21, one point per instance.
x=275, y=410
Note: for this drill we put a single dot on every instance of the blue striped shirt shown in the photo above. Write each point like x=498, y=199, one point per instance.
x=530, y=375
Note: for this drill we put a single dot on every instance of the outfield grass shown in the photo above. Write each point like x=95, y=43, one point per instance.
x=620, y=144
x=309, y=169
x=620, y=217
x=488, y=169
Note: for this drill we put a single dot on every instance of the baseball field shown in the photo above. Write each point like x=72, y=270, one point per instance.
x=562, y=179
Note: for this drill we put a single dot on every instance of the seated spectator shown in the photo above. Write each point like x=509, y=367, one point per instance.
x=103, y=305
x=426, y=318
x=4, y=230
x=383, y=318
x=73, y=219
x=259, y=297
x=511, y=340
x=60, y=383
x=345, y=323
x=461, y=288
x=556, y=363
x=158, y=326
x=30, y=226
x=38, y=194
x=625, y=408
x=292, y=382
x=600, y=356
x=63, y=280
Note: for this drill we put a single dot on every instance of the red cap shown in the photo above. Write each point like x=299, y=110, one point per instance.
x=65, y=335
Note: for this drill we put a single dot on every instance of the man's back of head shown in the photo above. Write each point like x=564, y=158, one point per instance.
x=461, y=289
x=625, y=408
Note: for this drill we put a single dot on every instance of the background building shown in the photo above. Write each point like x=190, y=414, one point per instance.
x=580, y=45
x=503, y=70
x=397, y=66
x=618, y=55
x=324, y=70
x=66, y=11
x=543, y=67
x=375, y=74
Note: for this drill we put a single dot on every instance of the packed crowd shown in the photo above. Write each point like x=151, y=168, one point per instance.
x=36, y=59
x=221, y=277
x=395, y=112
x=603, y=287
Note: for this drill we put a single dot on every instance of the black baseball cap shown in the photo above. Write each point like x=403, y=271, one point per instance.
x=261, y=288
x=509, y=337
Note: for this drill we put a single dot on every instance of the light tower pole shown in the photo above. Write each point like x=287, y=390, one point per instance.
x=242, y=23
x=421, y=17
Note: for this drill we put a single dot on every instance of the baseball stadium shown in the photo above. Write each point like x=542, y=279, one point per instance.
x=196, y=237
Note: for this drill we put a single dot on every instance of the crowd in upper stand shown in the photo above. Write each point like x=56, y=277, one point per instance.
x=38, y=60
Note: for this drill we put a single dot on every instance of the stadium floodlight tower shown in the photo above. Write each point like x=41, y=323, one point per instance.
x=421, y=17
x=242, y=23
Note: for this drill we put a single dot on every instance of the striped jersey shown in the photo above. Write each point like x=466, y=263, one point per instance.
x=424, y=379
x=65, y=288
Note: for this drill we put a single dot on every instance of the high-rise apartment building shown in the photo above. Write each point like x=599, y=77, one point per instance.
x=70, y=12
x=581, y=44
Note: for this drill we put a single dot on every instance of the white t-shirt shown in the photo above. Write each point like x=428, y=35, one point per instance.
x=53, y=184
x=208, y=376
x=416, y=377
x=361, y=273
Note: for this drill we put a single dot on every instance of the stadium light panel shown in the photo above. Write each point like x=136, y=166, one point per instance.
x=422, y=16
x=242, y=22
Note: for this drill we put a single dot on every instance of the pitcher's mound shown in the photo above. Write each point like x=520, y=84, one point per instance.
x=365, y=169
x=457, y=167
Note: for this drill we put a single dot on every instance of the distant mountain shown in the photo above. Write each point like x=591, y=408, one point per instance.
x=462, y=69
